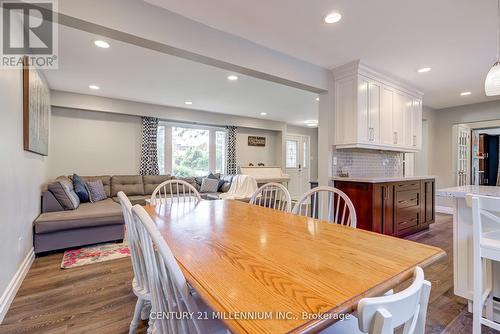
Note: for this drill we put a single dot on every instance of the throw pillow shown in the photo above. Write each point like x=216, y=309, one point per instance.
x=80, y=190
x=62, y=189
x=209, y=185
x=216, y=177
x=96, y=191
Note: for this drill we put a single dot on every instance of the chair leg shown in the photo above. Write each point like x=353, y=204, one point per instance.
x=137, y=316
x=477, y=306
x=489, y=300
x=146, y=310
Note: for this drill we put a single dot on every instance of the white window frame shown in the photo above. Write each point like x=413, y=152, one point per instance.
x=211, y=143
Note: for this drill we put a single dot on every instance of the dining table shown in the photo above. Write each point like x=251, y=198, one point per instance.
x=266, y=271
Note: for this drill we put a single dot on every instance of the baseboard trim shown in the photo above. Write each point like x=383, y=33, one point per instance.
x=14, y=285
x=444, y=209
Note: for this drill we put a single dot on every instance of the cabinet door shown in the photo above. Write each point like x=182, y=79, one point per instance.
x=387, y=106
x=408, y=121
x=417, y=124
x=398, y=118
x=364, y=132
x=374, y=104
x=346, y=114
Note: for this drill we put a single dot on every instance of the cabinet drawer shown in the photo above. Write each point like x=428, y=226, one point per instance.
x=407, y=217
x=412, y=185
x=407, y=198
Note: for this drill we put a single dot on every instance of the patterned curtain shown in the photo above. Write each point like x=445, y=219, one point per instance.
x=231, y=167
x=498, y=170
x=149, y=154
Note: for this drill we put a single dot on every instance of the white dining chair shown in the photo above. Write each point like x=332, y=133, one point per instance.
x=382, y=315
x=140, y=281
x=274, y=196
x=486, y=249
x=170, y=292
x=174, y=191
x=327, y=203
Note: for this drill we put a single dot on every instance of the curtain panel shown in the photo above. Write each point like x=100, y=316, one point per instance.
x=498, y=170
x=149, y=153
x=231, y=167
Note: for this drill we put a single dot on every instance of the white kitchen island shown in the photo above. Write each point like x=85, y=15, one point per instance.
x=462, y=239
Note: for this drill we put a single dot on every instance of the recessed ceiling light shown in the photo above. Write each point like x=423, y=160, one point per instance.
x=312, y=124
x=94, y=87
x=101, y=44
x=188, y=102
x=424, y=70
x=332, y=18
x=317, y=99
x=232, y=77
x=465, y=93
x=263, y=113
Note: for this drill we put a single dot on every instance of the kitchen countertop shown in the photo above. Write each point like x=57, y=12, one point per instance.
x=382, y=179
x=461, y=192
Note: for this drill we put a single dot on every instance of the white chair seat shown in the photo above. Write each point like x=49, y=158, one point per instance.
x=347, y=326
x=490, y=244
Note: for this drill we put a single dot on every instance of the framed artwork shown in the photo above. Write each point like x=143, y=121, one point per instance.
x=256, y=141
x=36, y=111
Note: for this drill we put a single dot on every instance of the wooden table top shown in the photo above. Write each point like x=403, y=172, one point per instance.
x=245, y=258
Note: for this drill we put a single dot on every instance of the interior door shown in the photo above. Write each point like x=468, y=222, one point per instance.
x=297, y=164
x=463, y=155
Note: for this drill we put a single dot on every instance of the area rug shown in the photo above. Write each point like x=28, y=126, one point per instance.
x=94, y=254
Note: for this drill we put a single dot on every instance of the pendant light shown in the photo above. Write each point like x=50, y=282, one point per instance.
x=492, y=82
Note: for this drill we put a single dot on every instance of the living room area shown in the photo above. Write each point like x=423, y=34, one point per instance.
x=122, y=117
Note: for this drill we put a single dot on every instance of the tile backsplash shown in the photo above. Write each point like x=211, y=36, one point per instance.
x=367, y=163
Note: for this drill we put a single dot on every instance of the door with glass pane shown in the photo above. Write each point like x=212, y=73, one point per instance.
x=463, y=156
x=297, y=161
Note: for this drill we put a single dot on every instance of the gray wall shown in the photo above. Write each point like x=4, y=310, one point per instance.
x=21, y=177
x=94, y=143
x=441, y=141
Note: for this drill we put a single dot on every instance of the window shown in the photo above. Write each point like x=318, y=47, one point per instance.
x=186, y=150
x=291, y=153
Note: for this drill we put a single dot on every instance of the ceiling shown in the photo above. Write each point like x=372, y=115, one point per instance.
x=125, y=71
x=455, y=37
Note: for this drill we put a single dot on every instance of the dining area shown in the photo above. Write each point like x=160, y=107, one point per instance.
x=229, y=266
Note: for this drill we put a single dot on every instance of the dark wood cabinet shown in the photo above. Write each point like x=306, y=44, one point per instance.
x=392, y=208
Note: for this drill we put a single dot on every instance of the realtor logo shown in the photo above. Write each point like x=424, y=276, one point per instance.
x=29, y=29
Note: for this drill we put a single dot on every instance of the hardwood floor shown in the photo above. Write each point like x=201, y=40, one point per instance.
x=98, y=298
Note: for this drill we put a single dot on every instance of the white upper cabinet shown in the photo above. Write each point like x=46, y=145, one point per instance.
x=375, y=112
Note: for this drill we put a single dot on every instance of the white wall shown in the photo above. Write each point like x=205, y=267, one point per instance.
x=94, y=143
x=21, y=177
x=95, y=135
x=254, y=154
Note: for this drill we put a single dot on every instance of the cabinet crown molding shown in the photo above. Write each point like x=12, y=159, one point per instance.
x=359, y=67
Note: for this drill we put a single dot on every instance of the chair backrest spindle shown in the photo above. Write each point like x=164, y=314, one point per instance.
x=174, y=190
x=274, y=196
x=327, y=203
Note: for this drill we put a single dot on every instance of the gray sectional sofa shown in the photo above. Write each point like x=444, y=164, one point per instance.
x=90, y=223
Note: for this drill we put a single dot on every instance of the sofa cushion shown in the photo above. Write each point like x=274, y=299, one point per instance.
x=106, y=182
x=137, y=199
x=101, y=213
x=62, y=189
x=96, y=191
x=80, y=189
x=225, y=187
x=131, y=185
x=152, y=181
